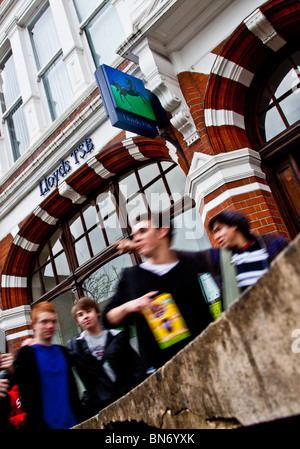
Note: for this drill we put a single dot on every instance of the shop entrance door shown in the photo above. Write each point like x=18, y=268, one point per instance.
x=284, y=174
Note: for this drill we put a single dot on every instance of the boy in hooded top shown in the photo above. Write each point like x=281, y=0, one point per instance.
x=105, y=361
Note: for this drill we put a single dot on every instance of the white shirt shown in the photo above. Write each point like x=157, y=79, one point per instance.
x=159, y=269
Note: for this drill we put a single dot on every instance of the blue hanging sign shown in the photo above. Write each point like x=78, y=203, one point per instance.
x=126, y=101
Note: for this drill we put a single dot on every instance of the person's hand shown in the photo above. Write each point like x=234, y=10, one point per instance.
x=4, y=387
x=125, y=246
x=117, y=315
x=28, y=342
x=6, y=362
x=139, y=304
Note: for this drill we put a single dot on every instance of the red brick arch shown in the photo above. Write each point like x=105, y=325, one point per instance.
x=237, y=61
x=86, y=180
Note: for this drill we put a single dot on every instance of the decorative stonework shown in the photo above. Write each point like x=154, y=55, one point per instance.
x=99, y=168
x=162, y=81
x=210, y=173
x=17, y=317
x=66, y=191
x=261, y=27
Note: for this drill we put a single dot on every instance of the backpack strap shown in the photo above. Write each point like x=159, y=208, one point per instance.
x=230, y=289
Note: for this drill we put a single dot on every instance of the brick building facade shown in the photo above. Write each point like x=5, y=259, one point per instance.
x=226, y=73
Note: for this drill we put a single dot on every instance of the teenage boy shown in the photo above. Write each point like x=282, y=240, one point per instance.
x=250, y=254
x=240, y=259
x=45, y=378
x=163, y=272
x=105, y=361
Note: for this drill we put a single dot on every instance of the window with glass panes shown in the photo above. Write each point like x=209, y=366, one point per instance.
x=279, y=106
x=12, y=109
x=103, y=28
x=49, y=61
x=79, y=258
x=273, y=125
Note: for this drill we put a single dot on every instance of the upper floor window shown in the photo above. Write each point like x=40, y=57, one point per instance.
x=51, y=67
x=103, y=28
x=279, y=105
x=12, y=109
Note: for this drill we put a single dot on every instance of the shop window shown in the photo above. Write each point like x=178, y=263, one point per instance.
x=103, y=28
x=79, y=258
x=51, y=267
x=13, y=114
x=101, y=284
x=66, y=326
x=273, y=124
x=49, y=61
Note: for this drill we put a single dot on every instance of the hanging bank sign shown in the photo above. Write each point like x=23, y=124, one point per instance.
x=126, y=101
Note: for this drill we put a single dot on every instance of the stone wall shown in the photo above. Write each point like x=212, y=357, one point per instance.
x=242, y=370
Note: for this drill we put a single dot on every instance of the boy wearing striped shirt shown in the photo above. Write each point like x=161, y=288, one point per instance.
x=250, y=254
x=240, y=258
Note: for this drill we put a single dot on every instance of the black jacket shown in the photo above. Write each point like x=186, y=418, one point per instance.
x=101, y=387
x=182, y=283
x=28, y=378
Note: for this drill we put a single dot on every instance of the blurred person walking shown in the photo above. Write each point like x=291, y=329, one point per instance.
x=44, y=374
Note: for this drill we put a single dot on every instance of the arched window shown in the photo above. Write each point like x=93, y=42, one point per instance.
x=279, y=106
x=79, y=259
x=273, y=127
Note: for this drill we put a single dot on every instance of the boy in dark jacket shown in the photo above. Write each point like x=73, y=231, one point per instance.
x=249, y=254
x=104, y=359
x=44, y=374
x=164, y=274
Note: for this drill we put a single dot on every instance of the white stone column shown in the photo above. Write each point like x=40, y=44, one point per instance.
x=26, y=74
x=4, y=157
x=73, y=54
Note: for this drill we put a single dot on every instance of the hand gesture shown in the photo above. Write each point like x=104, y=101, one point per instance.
x=125, y=246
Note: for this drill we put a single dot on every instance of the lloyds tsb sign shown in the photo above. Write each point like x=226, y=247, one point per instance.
x=65, y=165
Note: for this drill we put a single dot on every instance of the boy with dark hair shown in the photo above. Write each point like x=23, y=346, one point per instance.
x=243, y=257
x=163, y=272
x=232, y=218
x=106, y=363
x=250, y=254
x=240, y=259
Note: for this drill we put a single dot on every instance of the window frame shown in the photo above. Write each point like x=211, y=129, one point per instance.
x=86, y=21
x=78, y=273
x=277, y=154
x=252, y=105
x=9, y=111
x=45, y=68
